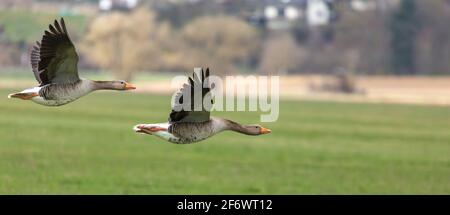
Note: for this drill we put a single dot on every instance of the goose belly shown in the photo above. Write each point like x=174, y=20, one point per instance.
x=61, y=94
x=187, y=139
x=177, y=139
x=51, y=102
x=185, y=133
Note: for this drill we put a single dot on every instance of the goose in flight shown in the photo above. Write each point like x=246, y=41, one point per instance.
x=192, y=126
x=54, y=64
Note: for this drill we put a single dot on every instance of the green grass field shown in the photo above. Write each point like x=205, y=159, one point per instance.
x=88, y=147
x=28, y=26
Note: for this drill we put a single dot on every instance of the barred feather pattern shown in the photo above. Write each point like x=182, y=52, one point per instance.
x=35, y=57
x=190, y=132
x=66, y=91
x=54, y=59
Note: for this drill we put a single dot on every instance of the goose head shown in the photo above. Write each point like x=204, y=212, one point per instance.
x=114, y=85
x=252, y=129
x=255, y=129
x=122, y=85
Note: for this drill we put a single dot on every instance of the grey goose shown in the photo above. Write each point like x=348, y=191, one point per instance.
x=192, y=126
x=54, y=64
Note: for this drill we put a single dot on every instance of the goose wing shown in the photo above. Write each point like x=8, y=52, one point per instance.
x=197, y=112
x=54, y=59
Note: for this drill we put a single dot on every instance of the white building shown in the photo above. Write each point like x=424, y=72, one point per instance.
x=318, y=13
x=281, y=14
x=107, y=5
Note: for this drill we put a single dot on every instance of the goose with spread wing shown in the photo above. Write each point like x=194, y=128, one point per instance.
x=189, y=126
x=54, y=63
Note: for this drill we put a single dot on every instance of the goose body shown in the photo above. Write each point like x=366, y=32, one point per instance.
x=186, y=127
x=59, y=94
x=54, y=64
x=184, y=132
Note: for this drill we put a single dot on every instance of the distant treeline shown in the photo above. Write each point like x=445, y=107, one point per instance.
x=412, y=38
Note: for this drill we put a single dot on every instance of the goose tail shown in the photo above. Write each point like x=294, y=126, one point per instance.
x=139, y=128
x=23, y=96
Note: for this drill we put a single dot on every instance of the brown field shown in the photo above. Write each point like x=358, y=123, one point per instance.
x=375, y=89
x=390, y=89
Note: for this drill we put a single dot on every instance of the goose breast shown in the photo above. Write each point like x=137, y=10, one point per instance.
x=60, y=94
x=189, y=132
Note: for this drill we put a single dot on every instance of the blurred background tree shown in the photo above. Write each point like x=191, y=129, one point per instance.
x=433, y=41
x=362, y=35
x=220, y=42
x=124, y=43
x=404, y=28
x=281, y=54
x=385, y=36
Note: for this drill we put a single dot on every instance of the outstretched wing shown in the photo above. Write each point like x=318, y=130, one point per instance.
x=35, y=58
x=54, y=59
x=178, y=113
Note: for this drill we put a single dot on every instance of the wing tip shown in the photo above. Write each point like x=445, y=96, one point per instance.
x=60, y=26
x=63, y=25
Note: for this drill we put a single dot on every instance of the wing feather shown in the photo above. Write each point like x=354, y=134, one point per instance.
x=54, y=59
x=180, y=115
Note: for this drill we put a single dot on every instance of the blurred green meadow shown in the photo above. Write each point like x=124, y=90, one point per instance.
x=24, y=25
x=88, y=147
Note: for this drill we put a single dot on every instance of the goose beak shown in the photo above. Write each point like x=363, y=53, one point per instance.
x=129, y=86
x=265, y=130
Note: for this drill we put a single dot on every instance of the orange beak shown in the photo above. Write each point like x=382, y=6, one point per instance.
x=265, y=130
x=129, y=86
